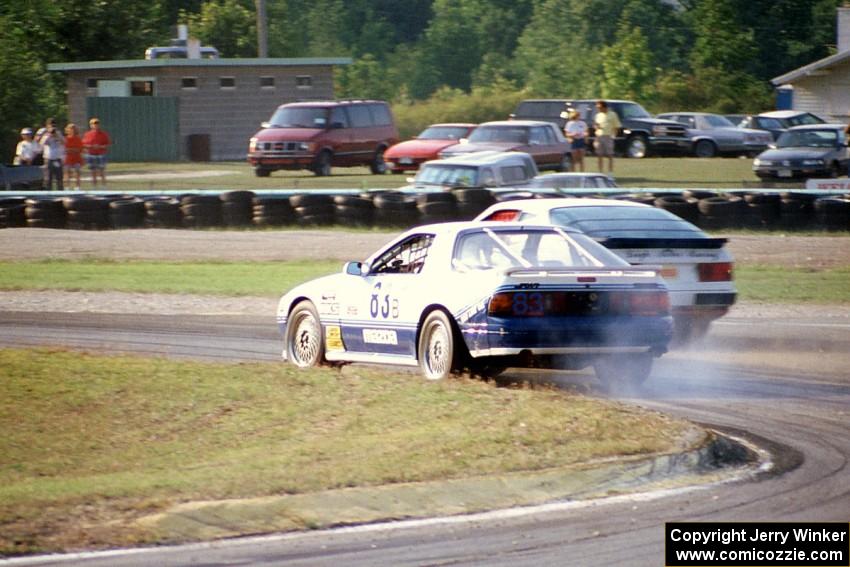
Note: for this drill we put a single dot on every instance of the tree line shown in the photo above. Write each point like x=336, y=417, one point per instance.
x=474, y=56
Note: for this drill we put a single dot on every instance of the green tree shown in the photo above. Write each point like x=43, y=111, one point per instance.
x=627, y=70
x=227, y=25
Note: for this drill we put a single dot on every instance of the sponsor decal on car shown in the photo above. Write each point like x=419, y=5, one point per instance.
x=380, y=337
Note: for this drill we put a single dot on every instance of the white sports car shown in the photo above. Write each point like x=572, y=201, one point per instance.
x=696, y=267
x=484, y=297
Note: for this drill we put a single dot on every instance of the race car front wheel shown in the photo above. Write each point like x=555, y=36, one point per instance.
x=436, y=346
x=304, y=344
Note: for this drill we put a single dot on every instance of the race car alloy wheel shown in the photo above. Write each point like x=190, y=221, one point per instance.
x=304, y=336
x=436, y=346
x=629, y=370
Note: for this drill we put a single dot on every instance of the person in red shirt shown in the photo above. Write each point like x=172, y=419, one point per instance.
x=73, y=155
x=96, y=144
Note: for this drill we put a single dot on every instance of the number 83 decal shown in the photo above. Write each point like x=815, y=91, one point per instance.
x=383, y=304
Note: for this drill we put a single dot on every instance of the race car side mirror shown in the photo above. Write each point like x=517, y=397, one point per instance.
x=356, y=268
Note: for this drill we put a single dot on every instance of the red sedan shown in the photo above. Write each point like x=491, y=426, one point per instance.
x=410, y=154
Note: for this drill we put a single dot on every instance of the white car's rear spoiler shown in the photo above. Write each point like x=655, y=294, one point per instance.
x=542, y=271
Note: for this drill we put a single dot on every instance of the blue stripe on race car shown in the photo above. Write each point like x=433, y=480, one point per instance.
x=379, y=337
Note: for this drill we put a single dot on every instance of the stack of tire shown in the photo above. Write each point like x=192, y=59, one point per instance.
x=471, y=201
x=313, y=209
x=200, y=210
x=127, y=212
x=237, y=208
x=87, y=212
x=272, y=211
x=395, y=209
x=436, y=207
x=721, y=211
x=681, y=206
x=354, y=210
x=45, y=213
x=12, y=212
x=833, y=213
x=761, y=210
x=796, y=210
x=163, y=212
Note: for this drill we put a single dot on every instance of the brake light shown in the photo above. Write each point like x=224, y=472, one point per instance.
x=649, y=303
x=577, y=303
x=715, y=272
x=504, y=216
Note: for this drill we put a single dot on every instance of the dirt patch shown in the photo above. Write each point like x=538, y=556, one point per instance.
x=815, y=252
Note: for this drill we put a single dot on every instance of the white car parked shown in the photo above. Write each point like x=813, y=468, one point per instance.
x=483, y=296
x=696, y=267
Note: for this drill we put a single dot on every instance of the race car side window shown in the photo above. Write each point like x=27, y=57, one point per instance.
x=406, y=257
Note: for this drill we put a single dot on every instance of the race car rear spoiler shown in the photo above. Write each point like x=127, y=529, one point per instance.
x=702, y=243
x=646, y=271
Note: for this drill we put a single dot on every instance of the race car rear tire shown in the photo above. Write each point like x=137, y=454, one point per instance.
x=436, y=346
x=629, y=370
x=305, y=345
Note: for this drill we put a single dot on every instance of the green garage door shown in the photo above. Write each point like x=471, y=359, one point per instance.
x=142, y=128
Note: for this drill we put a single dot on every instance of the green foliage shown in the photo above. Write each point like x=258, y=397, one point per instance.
x=227, y=25
x=481, y=104
x=627, y=67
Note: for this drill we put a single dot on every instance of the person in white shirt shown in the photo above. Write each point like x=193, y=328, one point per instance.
x=576, y=132
x=27, y=148
x=53, y=143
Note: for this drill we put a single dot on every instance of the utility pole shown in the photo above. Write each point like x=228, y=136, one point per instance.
x=262, y=30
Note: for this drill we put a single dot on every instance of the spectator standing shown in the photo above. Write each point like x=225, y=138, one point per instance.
x=73, y=155
x=576, y=132
x=53, y=143
x=607, y=123
x=27, y=148
x=95, y=145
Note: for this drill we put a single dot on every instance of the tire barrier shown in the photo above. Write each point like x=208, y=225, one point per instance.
x=683, y=207
x=12, y=212
x=833, y=213
x=237, y=208
x=200, y=211
x=272, y=211
x=791, y=210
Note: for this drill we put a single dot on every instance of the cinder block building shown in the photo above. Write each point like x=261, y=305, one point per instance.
x=189, y=109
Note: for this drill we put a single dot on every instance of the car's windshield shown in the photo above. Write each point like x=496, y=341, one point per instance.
x=487, y=249
x=717, y=121
x=447, y=175
x=300, y=117
x=443, y=133
x=624, y=222
x=808, y=139
x=631, y=110
x=499, y=134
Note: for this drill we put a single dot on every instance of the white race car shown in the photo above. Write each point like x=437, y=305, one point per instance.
x=483, y=297
x=696, y=267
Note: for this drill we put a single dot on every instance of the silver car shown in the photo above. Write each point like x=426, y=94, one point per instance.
x=713, y=134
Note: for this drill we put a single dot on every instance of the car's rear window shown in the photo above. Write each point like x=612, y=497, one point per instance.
x=514, y=134
x=625, y=222
x=443, y=133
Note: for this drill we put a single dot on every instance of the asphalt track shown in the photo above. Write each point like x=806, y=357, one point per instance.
x=783, y=384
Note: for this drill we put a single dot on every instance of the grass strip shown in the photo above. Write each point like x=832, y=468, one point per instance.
x=224, y=278
x=92, y=442
x=755, y=283
x=775, y=284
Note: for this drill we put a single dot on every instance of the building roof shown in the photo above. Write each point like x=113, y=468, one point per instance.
x=164, y=63
x=811, y=69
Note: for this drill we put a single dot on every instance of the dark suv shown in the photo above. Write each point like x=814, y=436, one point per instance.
x=318, y=135
x=640, y=135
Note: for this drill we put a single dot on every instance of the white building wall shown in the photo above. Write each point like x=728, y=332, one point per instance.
x=827, y=95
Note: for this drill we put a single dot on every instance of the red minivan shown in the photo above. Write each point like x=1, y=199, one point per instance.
x=319, y=134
